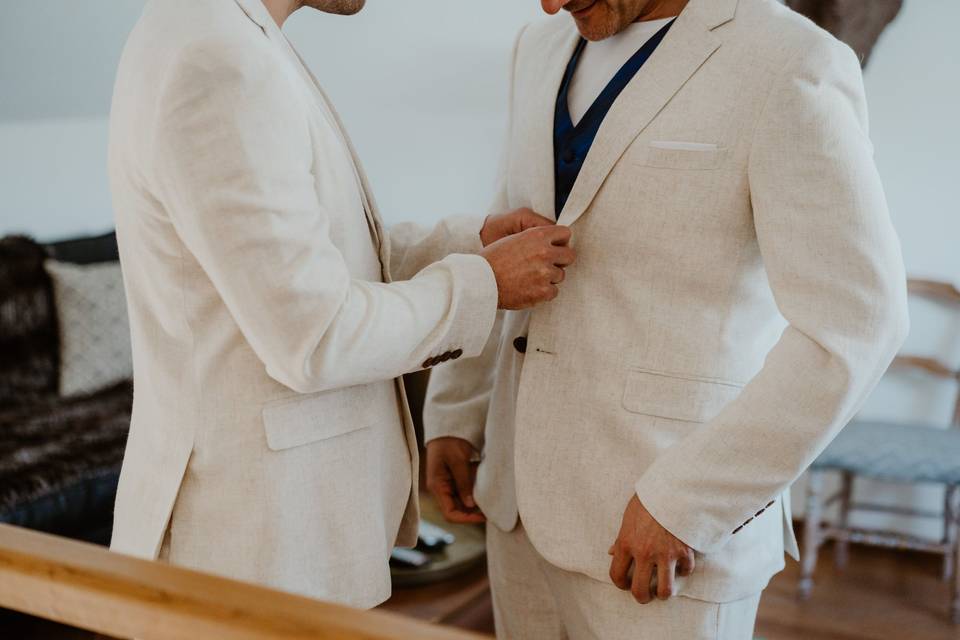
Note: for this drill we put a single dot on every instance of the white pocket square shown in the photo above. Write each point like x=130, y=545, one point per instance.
x=683, y=146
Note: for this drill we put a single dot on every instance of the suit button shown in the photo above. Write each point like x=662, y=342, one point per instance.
x=520, y=344
x=456, y=354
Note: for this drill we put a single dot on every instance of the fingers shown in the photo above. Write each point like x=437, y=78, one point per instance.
x=530, y=219
x=563, y=256
x=451, y=505
x=443, y=483
x=558, y=235
x=642, y=575
x=557, y=275
x=463, y=478
x=686, y=564
x=665, y=572
x=620, y=567
x=443, y=492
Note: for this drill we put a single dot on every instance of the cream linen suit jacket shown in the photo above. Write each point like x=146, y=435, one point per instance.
x=738, y=291
x=270, y=430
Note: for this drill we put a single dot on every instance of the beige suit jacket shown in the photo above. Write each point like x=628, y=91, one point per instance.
x=270, y=429
x=739, y=290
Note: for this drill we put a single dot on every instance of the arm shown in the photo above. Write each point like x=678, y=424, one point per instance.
x=834, y=265
x=234, y=170
x=413, y=247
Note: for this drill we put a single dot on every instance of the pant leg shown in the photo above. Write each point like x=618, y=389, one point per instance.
x=523, y=605
x=737, y=619
x=594, y=610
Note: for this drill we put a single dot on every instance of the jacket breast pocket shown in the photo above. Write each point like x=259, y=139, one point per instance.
x=293, y=422
x=690, y=156
x=675, y=396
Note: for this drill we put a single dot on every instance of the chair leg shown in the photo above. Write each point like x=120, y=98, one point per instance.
x=811, y=532
x=950, y=519
x=841, y=548
x=955, y=599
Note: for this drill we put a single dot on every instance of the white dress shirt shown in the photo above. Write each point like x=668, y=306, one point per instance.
x=601, y=60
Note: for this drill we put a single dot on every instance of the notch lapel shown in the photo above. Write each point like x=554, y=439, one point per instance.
x=687, y=46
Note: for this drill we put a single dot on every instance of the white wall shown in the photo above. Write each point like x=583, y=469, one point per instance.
x=421, y=86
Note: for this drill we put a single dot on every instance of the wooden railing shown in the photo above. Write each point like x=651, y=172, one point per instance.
x=88, y=587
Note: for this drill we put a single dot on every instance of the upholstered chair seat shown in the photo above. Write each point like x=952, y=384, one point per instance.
x=897, y=452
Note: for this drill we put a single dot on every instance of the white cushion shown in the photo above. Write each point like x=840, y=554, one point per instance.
x=94, y=328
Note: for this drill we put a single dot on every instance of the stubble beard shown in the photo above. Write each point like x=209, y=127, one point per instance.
x=338, y=7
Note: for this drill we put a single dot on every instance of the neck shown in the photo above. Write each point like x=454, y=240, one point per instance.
x=659, y=9
x=280, y=10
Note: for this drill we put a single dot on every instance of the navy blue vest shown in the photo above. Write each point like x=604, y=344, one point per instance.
x=571, y=144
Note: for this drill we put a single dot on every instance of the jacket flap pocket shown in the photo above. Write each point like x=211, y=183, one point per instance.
x=686, y=398
x=300, y=420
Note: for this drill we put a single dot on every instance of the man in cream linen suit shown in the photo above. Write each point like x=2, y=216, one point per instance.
x=272, y=313
x=738, y=292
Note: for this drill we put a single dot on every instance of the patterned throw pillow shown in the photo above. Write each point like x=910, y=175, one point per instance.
x=94, y=328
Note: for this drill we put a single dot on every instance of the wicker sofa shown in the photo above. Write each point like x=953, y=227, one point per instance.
x=59, y=457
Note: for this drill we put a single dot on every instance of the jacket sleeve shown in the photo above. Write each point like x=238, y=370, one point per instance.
x=459, y=393
x=414, y=247
x=234, y=165
x=834, y=265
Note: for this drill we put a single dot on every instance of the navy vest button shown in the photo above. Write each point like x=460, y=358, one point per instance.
x=569, y=156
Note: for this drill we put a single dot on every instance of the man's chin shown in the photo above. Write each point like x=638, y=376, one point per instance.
x=338, y=7
x=593, y=32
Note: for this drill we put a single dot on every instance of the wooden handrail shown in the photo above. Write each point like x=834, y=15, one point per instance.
x=944, y=291
x=930, y=365
x=88, y=587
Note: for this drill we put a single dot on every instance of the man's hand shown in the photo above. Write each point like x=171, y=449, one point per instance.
x=502, y=225
x=529, y=265
x=451, y=473
x=648, y=547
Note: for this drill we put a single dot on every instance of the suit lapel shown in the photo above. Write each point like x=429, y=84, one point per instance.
x=558, y=53
x=687, y=46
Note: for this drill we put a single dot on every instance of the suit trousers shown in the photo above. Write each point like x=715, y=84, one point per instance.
x=535, y=600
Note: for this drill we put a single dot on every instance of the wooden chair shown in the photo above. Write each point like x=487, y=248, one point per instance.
x=908, y=453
